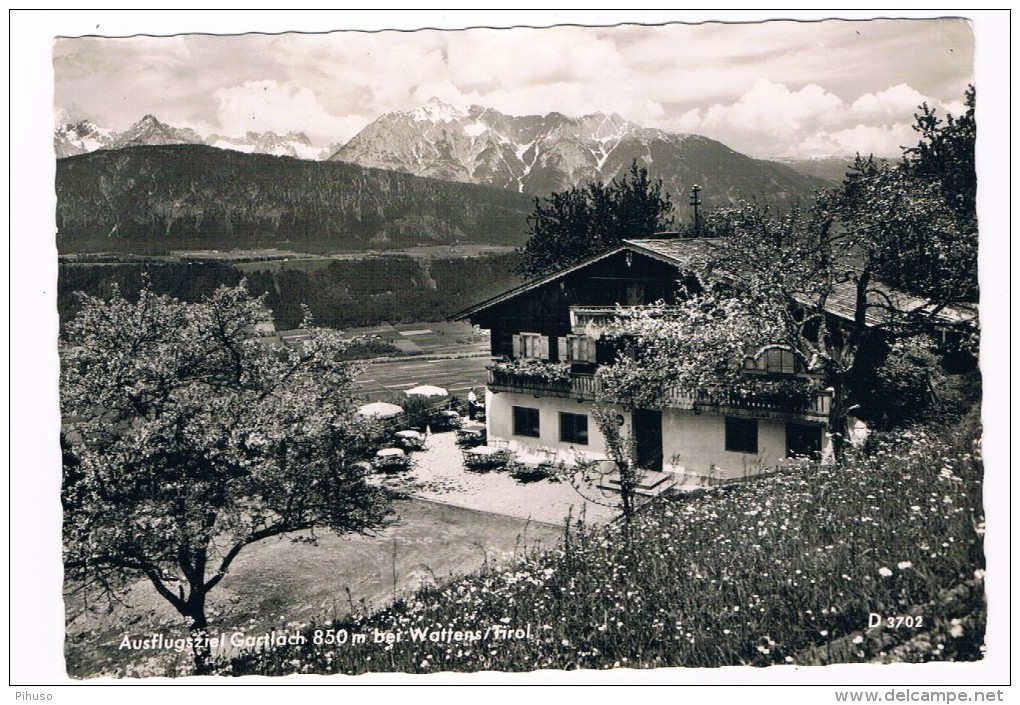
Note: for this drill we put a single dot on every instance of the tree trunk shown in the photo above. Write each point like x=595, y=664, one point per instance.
x=199, y=633
x=627, y=483
x=838, y=426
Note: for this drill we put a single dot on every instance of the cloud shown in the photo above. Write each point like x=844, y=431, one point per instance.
x=772, y=120
x=892, y=103
x=262, y=106
x=881, y=140
x=767, y=89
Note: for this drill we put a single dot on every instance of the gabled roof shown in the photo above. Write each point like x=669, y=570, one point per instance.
x=679, y=252
x=694, y=253
x=842, y=302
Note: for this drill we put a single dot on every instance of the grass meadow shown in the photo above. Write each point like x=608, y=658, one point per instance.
x=792, y=568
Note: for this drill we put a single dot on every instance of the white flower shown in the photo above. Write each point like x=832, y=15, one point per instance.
x=884, y=572
x=903, y=565
x=858, y=639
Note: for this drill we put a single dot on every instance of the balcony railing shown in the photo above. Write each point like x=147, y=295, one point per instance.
x=507, y=381
x=587, y=387
x=591, y=319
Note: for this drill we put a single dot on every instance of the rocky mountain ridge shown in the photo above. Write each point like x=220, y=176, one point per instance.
x=533, y=154
x=72, y=138
x=539, y=154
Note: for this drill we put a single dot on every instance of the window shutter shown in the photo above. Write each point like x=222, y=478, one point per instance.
x=561, y=348
x=518, y=345
x=543, y=347
x=588, y=345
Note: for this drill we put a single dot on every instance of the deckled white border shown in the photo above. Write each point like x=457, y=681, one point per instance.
x=36, y=626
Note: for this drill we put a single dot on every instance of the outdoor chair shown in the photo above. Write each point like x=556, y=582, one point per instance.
x=391, y=460
x=529, y=467
x=470, y=435
x=410, y=440
x=481, y=458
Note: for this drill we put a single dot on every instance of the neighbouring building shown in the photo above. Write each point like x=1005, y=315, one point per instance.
x=546, y=343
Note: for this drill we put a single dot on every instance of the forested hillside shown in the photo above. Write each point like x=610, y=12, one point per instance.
x=158, y=198
x=346, y=293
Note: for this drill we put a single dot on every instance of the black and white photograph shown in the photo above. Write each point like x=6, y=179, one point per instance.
x=583, y=348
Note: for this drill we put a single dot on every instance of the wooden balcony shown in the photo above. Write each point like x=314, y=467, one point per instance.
x=591, y=320
x=505, y=381
x=586, y=387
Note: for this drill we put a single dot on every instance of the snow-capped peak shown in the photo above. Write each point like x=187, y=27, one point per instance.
x=435, y=110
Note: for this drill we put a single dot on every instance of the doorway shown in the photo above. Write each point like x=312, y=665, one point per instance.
x=803, y=441
x=648, y=438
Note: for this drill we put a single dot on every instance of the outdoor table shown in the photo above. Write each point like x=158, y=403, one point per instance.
x=448, y=420
x=531, y=466
x=532, y=460
x=470, y=433
x=484, y=450
x=485, y=457
x=410, y=440
x=391, y=459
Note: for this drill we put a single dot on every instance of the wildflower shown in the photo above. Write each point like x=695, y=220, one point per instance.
x=824, y=632
x=956, y=629
x=903, y=565
x=884, y=572
x=858, y=639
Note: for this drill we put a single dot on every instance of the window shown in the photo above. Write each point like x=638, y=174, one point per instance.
x=574, y=428
x=742, y=435
x=774, y=360
x=803, y=441
x=526, y=421
x=531, y=345
x=580, y=348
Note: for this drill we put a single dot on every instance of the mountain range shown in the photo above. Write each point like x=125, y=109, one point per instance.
x=541, y=154
x=535, y=155
x=82, y=136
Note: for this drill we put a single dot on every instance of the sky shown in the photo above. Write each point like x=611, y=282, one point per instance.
x=773, y=89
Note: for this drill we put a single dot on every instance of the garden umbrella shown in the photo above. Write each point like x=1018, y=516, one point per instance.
x=381, y=409
x=427, y=390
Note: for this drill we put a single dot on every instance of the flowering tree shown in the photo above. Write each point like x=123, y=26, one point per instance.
x=697, y=346
x=890, y=231
x=194, y=439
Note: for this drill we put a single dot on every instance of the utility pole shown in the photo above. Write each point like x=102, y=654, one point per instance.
x=695, y=201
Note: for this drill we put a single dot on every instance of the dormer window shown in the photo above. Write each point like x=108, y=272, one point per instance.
x=774, y=359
